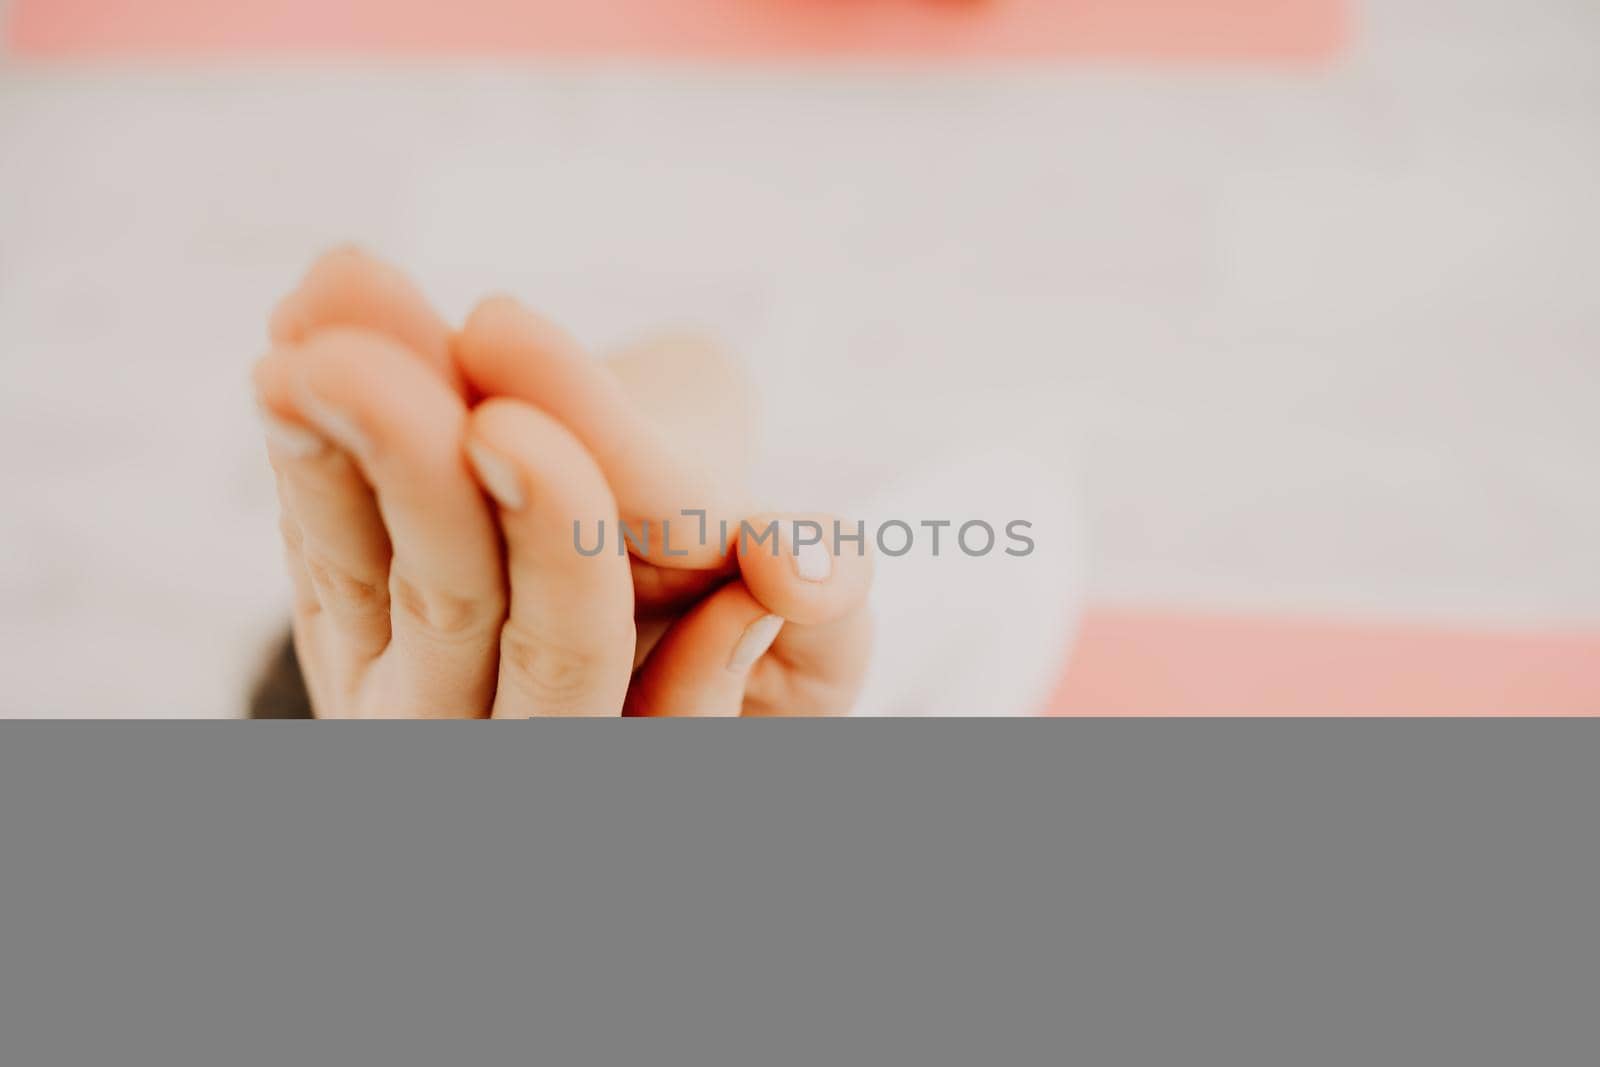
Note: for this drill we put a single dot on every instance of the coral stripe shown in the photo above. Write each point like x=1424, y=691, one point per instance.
x=1144, y=662
x=1015, y=29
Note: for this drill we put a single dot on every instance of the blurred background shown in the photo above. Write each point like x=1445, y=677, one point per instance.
x=1303, y=297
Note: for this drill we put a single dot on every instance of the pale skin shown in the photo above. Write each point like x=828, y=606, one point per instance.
x=429, y=479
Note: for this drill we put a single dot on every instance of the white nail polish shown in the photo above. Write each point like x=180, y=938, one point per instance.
x=754, y=642
x=813, y=563
x=497, y=476
x=295, y=441
x=332, y=422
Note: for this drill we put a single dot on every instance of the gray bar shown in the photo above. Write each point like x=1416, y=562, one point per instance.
x=808, y=893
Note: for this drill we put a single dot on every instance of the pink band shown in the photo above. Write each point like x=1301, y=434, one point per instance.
x=1148, y=662
x=724, y=29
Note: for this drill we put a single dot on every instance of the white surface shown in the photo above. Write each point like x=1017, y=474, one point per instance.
x=987, y=634
x=1319, y=340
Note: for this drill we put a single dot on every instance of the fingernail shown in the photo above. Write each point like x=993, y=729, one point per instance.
x=813, y=563
x=332, y=422
x=498, y=476
x=289, y=438
x=754, y=642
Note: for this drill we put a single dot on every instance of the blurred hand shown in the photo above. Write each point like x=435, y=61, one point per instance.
x=415, y=596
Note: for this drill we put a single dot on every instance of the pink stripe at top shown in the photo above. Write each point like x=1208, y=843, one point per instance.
x=728, y=29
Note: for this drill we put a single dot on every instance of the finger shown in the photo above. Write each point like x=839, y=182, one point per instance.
x=813, y=670
x=567, y=646
x=668, y=590
x=505, y=350
x=677, y=379
x=332, y=523
x=734, y=654
x=661, y=594
x=349, y=287
x=809, y=568
x=816, y=571
x=305, y=594
x=402, y=427
x=702, y=665
x=309, y=624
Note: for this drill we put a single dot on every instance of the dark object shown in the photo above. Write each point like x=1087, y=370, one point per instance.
x=280, y=692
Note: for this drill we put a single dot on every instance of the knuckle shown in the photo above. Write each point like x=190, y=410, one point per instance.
x=552, y=673
x=294, y=541
x=327, y=481
x=336, y=586
x=443, y=614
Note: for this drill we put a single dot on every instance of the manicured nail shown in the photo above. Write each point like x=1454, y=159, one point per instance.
x=497, y=476
x=299, y=442
x=333, y=422
x=813, y=563
x=754, y=642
